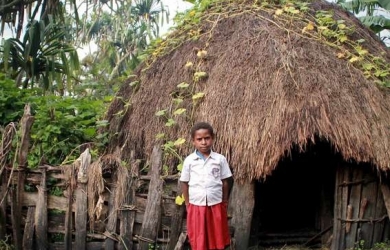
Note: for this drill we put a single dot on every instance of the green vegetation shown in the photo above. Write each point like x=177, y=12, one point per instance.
x=61, y=126
x=69, y=99
x=374, y=19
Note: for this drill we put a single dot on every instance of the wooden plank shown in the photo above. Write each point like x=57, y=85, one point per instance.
x=15, y=220
x=3, y=205
x=176, y=223
x=180, y=241
x=26, y=123
x=25, y=126
x=129, y=215
x=354, y=205
x=369, y=193
x=69, y=214
x=241, y=206
x=97, y=245
x=81, y=215
x=151, y=223
x=112, y=220
x=53, y=202
x=386, y=196
x=326, y=209
x=385, y=188
x=41, y=214
x=341, y=199
x=380, y=211
x=28, y=235
x=386, y=231
x=337, y=209
x=125, y=229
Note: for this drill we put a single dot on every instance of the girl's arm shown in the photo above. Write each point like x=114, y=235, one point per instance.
x=225, y=190
x=184, y=189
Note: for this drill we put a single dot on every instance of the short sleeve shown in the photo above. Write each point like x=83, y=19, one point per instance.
x=185, y=172
x=225, y=170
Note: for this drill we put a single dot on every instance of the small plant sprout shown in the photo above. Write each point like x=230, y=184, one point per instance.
x=161, y=112
x=179, y=142
x=199, y=75
x=170, y=122
x=183, y=85
x=197, y=96
x=160, y=136
x=202, y=54
x=177, y=101
x=189, y=65
x=179, y=111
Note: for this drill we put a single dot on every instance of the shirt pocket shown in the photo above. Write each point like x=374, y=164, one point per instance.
x=215, y=170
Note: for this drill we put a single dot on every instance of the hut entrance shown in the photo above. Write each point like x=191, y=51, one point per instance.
x=294, y=206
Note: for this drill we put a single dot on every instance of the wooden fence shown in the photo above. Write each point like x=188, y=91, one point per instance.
x=86, y=205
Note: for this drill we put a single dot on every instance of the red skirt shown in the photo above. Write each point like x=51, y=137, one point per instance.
x=207, y=227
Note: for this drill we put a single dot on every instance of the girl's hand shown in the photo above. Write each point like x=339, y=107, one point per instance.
x=225, y=203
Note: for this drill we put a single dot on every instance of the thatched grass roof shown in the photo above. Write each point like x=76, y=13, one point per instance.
x=274, y=80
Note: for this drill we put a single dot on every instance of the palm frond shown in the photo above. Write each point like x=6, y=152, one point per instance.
x=357, y=6
x=384, y=4
x=376, y=23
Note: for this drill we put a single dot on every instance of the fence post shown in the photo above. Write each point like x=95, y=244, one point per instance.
x=152, y=217
x=81, y=216
x=41, y=213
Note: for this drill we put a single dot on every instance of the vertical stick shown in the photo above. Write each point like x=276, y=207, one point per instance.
x=379, y=226
x=25, y=123
x=180, y=242
x=386, y=196
x=176, y=223
x=354, y=202
x=41, y=214
x=128, y=218
x=112, y=218
x=82, y=163
x=5, y=149
x=3, y=205
x=340, y=211
x=15, y=219
x=28, y=235
x=152, y=217
x=69, y=212
x=369, y=193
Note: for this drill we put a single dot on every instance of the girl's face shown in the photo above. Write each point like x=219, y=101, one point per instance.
x=203, y=141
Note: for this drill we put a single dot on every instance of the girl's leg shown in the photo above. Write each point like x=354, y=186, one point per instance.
x=218, y=236
x=196, y=225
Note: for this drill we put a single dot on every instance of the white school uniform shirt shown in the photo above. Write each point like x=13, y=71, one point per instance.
x=204, y=177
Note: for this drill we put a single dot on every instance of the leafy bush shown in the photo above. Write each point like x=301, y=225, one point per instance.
x=61, y=126
x=12, y=101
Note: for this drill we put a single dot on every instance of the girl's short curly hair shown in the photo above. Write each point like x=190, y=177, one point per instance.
x=201, y=125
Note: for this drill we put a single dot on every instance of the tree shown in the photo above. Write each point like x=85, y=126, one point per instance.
x=376, y=22
x=121, y=32
x=43, y=59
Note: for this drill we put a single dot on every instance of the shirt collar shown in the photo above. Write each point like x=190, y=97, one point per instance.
x=196, y=155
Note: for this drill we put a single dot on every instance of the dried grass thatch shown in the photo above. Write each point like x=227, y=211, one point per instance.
x=270, y=87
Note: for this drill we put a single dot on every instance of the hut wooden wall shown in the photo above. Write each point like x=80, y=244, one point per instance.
x=45, y=202
x=361, y=218
x=51, y=207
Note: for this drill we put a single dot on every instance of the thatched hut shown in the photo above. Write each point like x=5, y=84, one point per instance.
x=297, y=95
